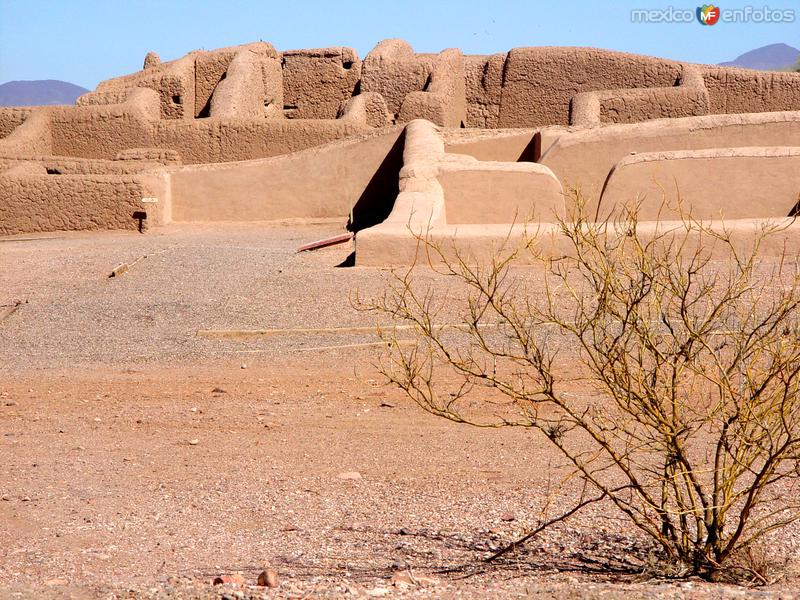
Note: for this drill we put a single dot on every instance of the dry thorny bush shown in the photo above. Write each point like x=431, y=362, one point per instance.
x=692, y=426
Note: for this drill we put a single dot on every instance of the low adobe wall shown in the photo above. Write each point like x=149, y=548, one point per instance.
x=583, y=159
x=440, y=192
x=358, y=174
x=721, y=183
x=102, y=132
x=688, y=99
x=39, y=202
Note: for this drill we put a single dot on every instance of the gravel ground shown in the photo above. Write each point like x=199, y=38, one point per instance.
x=141, y=460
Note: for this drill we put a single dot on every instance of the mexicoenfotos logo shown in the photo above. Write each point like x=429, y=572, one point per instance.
x=708, y=14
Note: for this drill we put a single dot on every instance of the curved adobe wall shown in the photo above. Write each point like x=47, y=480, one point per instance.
x=720, y=183
x=583, y=159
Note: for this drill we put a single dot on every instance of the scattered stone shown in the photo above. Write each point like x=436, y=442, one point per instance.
x=507, y=517
x=194, y=442
x=244, y=366
x=57, y=581
x=268, y=578
x=404, y=531
x=386, y=404
x=351, y=475
x=236, y=578
x=219, y=390
x=378, y=592
x=11, y=403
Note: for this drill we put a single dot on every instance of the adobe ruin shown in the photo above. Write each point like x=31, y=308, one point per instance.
x=462, y=145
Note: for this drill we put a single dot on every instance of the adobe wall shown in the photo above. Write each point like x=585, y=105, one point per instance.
x=318, y=82
x=32, y=137
x=327, y=181
x=442, y=102
x=101, y=132
x=61, y=165
x=483, y=88
x=687, y=99
x=11, y=118
x=733, y=90
x=498, y=192
x=539, y=83
x=33, y=203
x=174, y=81
x=209, y=70
x=583, y=159
x=505, y=145
x=720, y=183
x=252, y=87
x=393, y=70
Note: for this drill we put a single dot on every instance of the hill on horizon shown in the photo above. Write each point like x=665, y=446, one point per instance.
x=767, y=58
x=39, y=92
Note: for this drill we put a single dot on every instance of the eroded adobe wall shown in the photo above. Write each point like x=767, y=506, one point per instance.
x=318, y=82
x=539, y=83
x=252, y=86
x=11, y=118
x=209, y=69
x=443, y=100
x=99, y=131
x=34, y=203
x=30, y=138
x=174, y=81
x=393, y=70
x=743, y=91
x=483, y=88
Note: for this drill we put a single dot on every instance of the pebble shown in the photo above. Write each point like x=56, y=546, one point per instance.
x=352, y=475
x=507, y=517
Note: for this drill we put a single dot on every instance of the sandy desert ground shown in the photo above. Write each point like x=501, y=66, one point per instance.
x=138, y=459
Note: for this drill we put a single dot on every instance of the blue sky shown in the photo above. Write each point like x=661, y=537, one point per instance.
x=87, y=41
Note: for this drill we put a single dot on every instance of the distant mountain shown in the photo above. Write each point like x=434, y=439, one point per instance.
x=44, y=91
x=767, y=58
